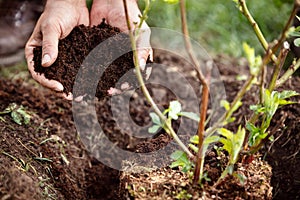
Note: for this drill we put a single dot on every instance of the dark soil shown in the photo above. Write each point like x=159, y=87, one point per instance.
x=46, y=159
x=100, y=71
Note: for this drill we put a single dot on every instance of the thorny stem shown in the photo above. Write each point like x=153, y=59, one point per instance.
x=205, y=94
x=255, y=26
x=142, y=84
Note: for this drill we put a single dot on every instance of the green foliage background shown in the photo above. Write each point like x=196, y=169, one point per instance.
x=219, y=26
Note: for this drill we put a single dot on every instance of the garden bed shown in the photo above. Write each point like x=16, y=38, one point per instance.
x=46, y=160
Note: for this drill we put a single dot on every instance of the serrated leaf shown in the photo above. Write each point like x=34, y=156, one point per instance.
x=153, y=129
x=190, y=115
x=155, y=118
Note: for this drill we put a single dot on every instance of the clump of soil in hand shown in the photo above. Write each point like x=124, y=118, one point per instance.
x=97, y=71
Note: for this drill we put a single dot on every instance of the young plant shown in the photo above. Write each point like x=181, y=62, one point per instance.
x=269, y=100
x=17, y=113
x=272, y=102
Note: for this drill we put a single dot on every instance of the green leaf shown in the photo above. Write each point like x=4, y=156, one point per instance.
x=175, y=108
x=25, y=116
x=225, y=104
x=18, y=113
x=17, y=117
x=177, y=154
x=257, y=108
x=252, y=128
x=287, y=94
x=181, y=160
x=297, y=42
x=194, y=147
x=209, y=140
x=194, y=139
x=153, y=129
x=254, y=62
x=155, y=118
x=232, y=143
x=190, y=115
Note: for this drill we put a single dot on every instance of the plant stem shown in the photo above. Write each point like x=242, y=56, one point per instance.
x=222, y=121
x=256, y=28
x=142, y=84
x=278, y=65
x=286, y=27
x=289, y=72
x=263, y=69
x=205, y=93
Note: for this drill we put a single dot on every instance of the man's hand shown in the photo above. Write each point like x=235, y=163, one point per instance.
x=113, y=12
x=56, y=22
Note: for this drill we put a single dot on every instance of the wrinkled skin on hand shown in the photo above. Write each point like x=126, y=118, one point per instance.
x=61, y=16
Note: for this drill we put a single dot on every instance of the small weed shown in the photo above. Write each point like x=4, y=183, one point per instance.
x=17, y=113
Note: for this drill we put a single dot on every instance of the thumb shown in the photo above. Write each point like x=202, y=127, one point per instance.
x=49, y=45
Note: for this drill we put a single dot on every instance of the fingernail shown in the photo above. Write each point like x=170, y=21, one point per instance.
x=142, y=64
x=46, y=59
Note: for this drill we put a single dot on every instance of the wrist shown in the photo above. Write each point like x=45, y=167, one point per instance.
x=74, y=2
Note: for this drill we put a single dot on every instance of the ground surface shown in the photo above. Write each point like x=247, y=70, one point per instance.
x=45, y=159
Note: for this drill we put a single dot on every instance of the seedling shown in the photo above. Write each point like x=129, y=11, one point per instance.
x=272, y=102
x=17, y=113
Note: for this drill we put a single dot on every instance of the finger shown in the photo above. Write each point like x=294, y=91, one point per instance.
x=51, y=35
x=52, y=84
x=68, y=97
x=97, y=15
x=83, y=19
x=34, y=41
x=113, y=91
